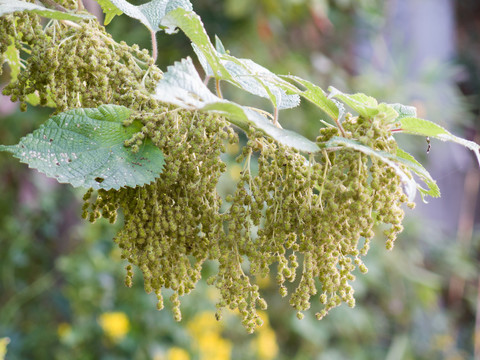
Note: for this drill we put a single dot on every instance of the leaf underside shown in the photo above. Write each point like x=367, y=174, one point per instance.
x=149, y=14
x=11, y=6
x=182, y=86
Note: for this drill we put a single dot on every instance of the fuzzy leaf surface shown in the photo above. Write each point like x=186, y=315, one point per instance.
x=85, y=147
x=413, y=165
x=317, y=96
x=149, y=14
x=404, y=111
x=364, y=105
x=217, y=63
x=182, y=86
x=417, y=126
x=11, y=6
x=109, y=9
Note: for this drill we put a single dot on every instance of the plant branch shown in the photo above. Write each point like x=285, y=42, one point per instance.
x=218, y=89
x=53, y=4
x=154, y=46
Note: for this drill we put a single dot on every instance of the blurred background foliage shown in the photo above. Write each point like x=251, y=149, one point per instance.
x=62, y=293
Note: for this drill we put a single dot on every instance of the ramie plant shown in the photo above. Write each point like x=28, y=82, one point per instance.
x=148, y=143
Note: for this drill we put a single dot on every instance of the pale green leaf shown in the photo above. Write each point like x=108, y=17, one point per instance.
x=11, y=6
x=404, y=111
x=149, y=14
x=410, y=185
x=386, y=113
x=243, y=117
x=316, y=95
x=259, y=81
x=85, y=147
x=217, y=63
x=13, y=60
x=219, y=46
x=192, y=26
x=417, y=126
x=364, y=105
x=12, y=56
x=109, y=9
x=182, y=86
x=412, y=164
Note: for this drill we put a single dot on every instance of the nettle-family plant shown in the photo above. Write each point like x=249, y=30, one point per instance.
x=148, y=143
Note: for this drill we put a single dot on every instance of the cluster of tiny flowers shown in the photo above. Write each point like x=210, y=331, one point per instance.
x=309, y=217
x=174, y=224
x=72, y=67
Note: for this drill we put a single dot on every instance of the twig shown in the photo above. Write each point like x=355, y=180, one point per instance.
x=219, y=90
x=339, y=125
x=53, y=4
x=154, y=46
x=71, y=24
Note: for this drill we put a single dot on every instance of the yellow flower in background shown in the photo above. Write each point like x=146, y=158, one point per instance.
x=266, y=340
x=63, y=330
x=3, y=347
x=115, y=325
x=266, y=322
x=235, y=171
x=212, y=346
x=263, y=282
x=266, y=344
x=232, y=149
x=204, y=323
x=206, y=333
x=176, y=353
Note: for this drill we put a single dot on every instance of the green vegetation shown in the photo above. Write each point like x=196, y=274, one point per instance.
x=149, y=148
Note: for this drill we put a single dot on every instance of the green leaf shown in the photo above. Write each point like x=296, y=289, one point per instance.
x=85, y=147
x=387, y=158
x=149, y=14
x=364, y=105
x=217, y=63
x=316, y=95
x=404, y=111
x=11, y=6
x=259, y=81
x=219, y=46
x=412, y=164
x=182, y=86
x=110, y=10
x=417, y=126
x=13, y=59
x=12, y=56
x=192, y=26
x=386, y=113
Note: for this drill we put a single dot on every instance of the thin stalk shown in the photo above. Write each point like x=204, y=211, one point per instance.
x=325, y=168
x=311, y=161
x=53, y=4
x=339, y=125
x=275, y=117
x=154, y=46
x=71, y=24
x=218, y=88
